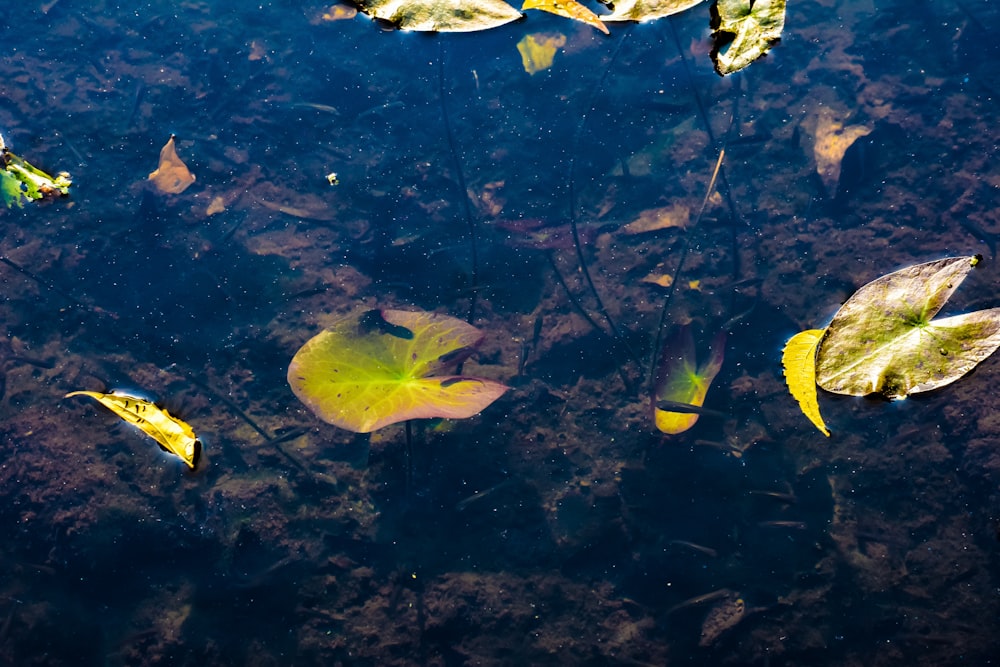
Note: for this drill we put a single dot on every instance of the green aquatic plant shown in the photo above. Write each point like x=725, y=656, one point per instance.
x=388, y=366
x=681, y=384
x=884, y=340
x=19, y=180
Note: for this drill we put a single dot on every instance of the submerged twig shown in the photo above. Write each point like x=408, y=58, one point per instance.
x=616, y=333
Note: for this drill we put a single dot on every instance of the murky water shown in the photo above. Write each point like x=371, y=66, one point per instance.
x=558, y=526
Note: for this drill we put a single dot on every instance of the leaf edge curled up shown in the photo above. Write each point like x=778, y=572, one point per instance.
x=798, y=359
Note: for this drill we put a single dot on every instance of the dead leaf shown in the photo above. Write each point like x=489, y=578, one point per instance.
x=217, y=205
x=489, y=202
x=172, y=175
x=538, y=50
x=831, y=142
x=661, y=279
x=647, y=10
x=339, y=13
x=650, y=220
x=568, y=8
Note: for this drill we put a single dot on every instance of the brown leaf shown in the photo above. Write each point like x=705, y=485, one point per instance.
x=172, y=175
x=650, y=220
x=831, y=143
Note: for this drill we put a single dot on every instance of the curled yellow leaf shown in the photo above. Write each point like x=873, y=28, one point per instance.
x=170, y=433
x=799, y=360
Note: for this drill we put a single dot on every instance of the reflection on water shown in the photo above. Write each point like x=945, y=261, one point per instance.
x=558, y=526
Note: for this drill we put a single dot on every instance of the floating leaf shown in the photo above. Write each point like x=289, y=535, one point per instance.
x=679, y=381
x=664, y=217
x=538, y=51
x=799, y=361
x=883, y=339
x=568, y=8
x=172, y=175
x=383, y=367
x=647, y=10
x=744, y=30
x=173, y=435
x=831, y=142
x=441, y=15
x=21, y=180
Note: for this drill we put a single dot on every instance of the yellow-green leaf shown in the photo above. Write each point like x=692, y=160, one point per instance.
x=799, y=361
x=173, y=435
x=885, y=340
x=539, y=50
x=388, y=366
x=682, y=382
x=744, y=30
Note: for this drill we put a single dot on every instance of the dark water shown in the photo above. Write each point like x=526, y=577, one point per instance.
x=558, y=526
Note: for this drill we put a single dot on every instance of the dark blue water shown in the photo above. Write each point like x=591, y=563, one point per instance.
x=558, y=526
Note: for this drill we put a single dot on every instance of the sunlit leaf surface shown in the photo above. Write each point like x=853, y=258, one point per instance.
x=647, y=10
x=680, y=380
x=744, y=30
x=172, y=434
x=388, y=366
x=441, y=15
x=799, y=361
x=883, y=340
x=568, y=8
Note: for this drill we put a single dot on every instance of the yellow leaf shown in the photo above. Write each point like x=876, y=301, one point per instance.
x=173, y=435
x=172, y=175
x=568, y=8
x=538, y=51
x=799, y=360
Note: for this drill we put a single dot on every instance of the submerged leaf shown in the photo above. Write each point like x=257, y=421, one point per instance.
x=441, y=15
x=799, y=361
x=743, y=31
x=830, y=144
x=568, y=8
x=173, y=435
x=387, y=366
x=883, y=339
x=171, y=175
x=664, y=217
x=538, y=50
x=680, y=381
x=647, y=10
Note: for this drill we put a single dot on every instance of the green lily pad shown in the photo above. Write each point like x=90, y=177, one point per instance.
x=441, y=15
x=743, y=31
x=883, y=340
x=388, y=366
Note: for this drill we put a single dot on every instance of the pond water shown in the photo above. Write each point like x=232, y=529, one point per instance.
x=558, y=525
